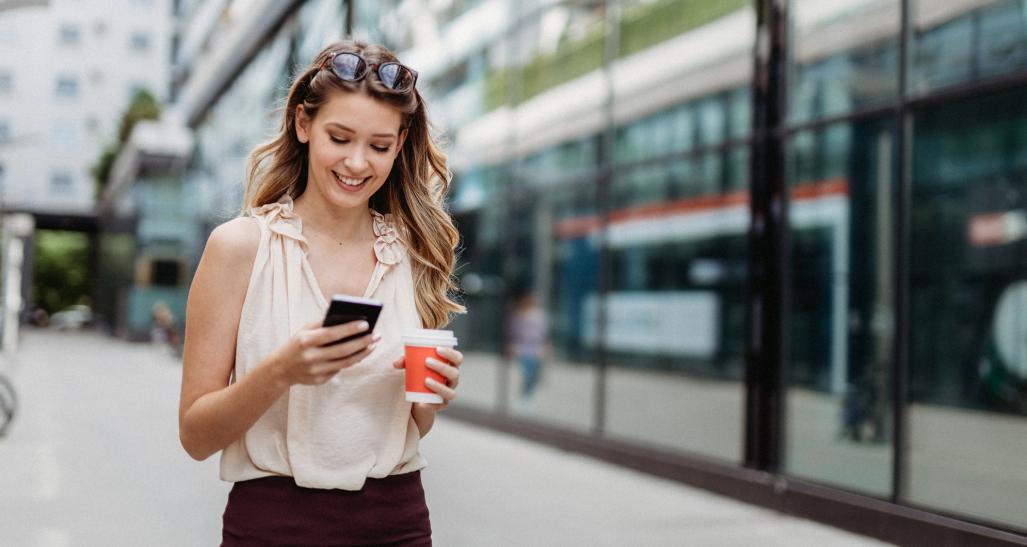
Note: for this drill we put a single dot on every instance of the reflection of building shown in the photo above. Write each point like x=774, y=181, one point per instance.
x=604, y=158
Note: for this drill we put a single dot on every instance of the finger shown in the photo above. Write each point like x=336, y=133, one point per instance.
x=327, y=335
x=448, y=371
x=451, y=355
x=345, y=349
x=400, y=363
x=446, y=392
x=333, y=366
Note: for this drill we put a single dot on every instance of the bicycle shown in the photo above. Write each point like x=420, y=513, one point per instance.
x=8, y=404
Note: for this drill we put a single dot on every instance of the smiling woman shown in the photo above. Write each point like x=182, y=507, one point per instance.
x=347, y=199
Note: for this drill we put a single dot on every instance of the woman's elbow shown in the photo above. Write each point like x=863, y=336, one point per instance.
x=193, y=448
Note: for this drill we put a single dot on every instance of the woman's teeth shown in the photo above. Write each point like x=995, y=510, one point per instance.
x=348, y=181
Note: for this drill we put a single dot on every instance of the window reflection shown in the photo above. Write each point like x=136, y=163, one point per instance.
x=954, y=42
x=844, y=56
x=968, y=388
x=841, y=304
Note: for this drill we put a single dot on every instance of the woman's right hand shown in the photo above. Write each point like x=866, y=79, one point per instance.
x=305, y=358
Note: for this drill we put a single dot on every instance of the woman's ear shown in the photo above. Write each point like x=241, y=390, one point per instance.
x=302, y=124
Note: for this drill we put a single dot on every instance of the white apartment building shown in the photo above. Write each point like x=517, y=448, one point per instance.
x=68, y=69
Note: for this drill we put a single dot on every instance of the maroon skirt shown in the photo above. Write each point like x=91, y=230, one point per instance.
x=274, y=511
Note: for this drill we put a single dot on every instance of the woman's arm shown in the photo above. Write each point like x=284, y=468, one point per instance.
x=212, y=412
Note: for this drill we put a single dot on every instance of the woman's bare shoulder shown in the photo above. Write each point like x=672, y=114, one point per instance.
x=235, y=241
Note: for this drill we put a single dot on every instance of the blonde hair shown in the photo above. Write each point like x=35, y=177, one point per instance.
x=413, y=192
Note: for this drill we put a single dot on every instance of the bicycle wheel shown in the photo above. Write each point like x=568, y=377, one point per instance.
x=8, y=404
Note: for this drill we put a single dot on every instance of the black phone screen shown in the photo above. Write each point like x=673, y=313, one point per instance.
x=344, y=309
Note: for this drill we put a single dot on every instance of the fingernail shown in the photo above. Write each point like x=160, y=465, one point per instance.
x=363, y=325
x=370, y=347
x=376, y=337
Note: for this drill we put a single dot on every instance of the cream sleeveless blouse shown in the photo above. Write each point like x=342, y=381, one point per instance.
x=356, y=425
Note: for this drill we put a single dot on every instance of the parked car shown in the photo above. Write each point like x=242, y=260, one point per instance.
x=72, y=318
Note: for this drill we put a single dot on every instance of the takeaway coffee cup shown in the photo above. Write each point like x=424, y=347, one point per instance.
x=420, y=344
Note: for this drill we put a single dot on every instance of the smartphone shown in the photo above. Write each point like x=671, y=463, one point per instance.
x=344, y=309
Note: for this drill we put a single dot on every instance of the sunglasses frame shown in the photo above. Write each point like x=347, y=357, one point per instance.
x=368, y=67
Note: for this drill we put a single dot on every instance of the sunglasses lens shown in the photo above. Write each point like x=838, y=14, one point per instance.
x=396, y=76
x=349, y=66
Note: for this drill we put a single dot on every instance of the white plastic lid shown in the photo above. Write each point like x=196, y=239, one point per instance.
x=429, y=337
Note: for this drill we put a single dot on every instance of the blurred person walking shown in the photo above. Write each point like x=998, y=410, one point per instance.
x=528, y=337
x=318, y=439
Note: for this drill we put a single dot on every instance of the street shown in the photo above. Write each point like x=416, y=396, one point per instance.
x=94, y=459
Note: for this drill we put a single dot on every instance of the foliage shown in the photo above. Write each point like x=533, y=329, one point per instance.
x=669, y=18
x=61, y=270
x=143, y=106
x=641, y=28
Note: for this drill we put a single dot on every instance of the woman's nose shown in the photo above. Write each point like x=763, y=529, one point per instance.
x=356, y=162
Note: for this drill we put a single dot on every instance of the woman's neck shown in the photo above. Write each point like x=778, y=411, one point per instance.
x=330, y=222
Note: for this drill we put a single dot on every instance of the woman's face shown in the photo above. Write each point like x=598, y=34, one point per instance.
x=353, y=141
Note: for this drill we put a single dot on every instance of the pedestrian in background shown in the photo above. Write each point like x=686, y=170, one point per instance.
x=528, y=335
x=347, y=199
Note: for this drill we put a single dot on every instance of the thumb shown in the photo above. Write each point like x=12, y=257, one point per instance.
x=398, y=363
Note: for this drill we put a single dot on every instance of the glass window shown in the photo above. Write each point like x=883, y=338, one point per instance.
x=67, y=86
x=553, y=287
x=6, y=82
x=838, y=411
x=675, y=311
x=962, y=41
x=481, y=281
x=844, y=56
x=740, y=112
x=968, y=308
x=139, y=41
x=60, y=182
x=5, y=130
x=70, y=35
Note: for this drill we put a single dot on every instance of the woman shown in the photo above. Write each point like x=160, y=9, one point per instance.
x=347, y=199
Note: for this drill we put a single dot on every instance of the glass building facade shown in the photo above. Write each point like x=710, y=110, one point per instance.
x=603, y=159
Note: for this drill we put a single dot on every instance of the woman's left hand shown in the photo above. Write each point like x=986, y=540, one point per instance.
x=450, y=371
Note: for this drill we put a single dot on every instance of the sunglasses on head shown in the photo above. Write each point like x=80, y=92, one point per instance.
x=353, y=68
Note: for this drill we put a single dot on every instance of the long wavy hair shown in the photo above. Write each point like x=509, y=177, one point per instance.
x=413, y=192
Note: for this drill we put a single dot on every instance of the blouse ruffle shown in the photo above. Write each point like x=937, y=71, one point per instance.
x=282, y=220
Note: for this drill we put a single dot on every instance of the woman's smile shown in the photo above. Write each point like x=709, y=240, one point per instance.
x=350, y=184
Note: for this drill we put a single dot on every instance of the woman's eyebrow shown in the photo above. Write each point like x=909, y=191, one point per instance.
x=344, y=128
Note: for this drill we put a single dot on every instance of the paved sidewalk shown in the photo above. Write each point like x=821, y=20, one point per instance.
x=487, y=488
x=94, y=460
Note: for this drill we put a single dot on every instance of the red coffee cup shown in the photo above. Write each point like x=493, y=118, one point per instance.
x=419, y=345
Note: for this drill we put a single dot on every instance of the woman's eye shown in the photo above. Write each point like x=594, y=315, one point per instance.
x=380, y=150
x=339, y=141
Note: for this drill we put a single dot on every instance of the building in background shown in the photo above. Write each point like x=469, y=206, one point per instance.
x=607, y=159
x=67, y=71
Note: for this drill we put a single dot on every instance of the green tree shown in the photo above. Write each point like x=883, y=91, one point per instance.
x=143, y=106
x=61, y=269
